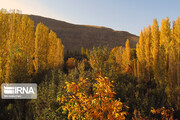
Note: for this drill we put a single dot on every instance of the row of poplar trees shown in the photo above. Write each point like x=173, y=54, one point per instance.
x=24, y=50
x=156, y=57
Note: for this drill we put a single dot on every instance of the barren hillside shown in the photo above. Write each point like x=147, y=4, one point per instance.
x=74, y=36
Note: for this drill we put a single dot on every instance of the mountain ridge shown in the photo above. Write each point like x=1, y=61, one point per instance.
x=75, y=36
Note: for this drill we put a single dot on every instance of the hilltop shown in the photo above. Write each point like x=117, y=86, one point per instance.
x=75, y=36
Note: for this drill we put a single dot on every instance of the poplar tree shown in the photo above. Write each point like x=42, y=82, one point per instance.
x=138, y=64
x=155, y=46
x=165, y=38
x=117, y=52
x=27, y=42
x=128, y=50
x=14, y=19
x=60, y=53
x=41, y=47
x=177, y=45
x=165, y=33
x=141, y=46
x=172, y=78
x=126, y=56
x=55, y=57
x=82, y=51
x=20, y=50
x=52, y=41
x=4, y=32
x=148, y=49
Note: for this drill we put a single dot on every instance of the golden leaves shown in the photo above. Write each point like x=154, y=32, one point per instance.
x=165, y=113
x=101, y=105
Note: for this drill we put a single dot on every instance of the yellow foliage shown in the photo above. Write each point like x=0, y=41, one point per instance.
x=165, y=113
x=126, y=56
x=101, y=105
x=18, y=30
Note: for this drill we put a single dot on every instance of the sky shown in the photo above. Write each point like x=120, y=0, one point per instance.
x=122, y=15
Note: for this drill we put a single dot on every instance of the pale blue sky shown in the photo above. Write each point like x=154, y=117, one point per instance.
x=126, y=15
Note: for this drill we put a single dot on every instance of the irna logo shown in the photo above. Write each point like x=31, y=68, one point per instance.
x=19, y=91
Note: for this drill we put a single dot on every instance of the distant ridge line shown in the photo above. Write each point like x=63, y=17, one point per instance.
x=75, y=36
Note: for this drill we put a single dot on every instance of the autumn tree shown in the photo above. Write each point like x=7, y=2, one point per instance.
x=41, y=47
x=71, y=63
x=4, y=32
x=52, y=47
x=82, y=51
x=21, y=51
x=173, y=86
x=26, y=42
x=14, y=19
x=165, y=38
x=155, y=46
x=165, y=33
x=138, y=64
x=98, y=58
x=148, y=55
x=161, y=48
x=18, y=30
x=177, y=44
x=140, y=48
x=126, y=56
x=59, y=61
x=117, y=53
x=101, y=105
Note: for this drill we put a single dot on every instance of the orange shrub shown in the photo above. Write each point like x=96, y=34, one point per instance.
x=71, y=63
x=165, y=113
x=101, y=105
